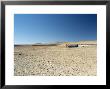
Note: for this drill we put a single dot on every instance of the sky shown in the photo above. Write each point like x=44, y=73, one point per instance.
x=48, y=28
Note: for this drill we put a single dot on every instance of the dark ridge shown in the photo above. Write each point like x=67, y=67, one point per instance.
x=45, y=45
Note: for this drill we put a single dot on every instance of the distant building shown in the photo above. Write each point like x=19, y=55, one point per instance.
x=85, y=45
x=71, y=45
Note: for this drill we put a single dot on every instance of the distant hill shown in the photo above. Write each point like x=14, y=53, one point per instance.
x=60, y=43
x=82, y=42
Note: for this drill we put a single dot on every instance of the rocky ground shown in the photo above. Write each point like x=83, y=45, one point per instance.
x=55, y=61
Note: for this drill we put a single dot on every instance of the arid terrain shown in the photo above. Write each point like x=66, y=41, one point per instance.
x=57, y=60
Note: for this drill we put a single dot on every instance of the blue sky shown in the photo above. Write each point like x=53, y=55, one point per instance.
x=44, y=28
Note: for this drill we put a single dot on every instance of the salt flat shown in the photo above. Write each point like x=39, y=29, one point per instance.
x=55, y=61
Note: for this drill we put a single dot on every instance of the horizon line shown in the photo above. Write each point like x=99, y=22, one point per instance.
x=49, y=42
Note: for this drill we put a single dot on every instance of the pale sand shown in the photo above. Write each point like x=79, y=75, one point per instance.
x=55, y=61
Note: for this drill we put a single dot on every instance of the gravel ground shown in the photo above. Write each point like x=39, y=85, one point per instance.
x=55, y=61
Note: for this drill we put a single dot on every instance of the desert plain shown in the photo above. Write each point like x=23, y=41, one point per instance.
x=59, y=60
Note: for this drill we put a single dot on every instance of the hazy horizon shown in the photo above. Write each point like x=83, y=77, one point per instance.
x=54, y=42
x=50, y=28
